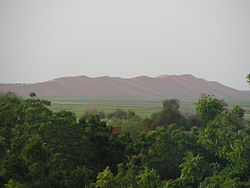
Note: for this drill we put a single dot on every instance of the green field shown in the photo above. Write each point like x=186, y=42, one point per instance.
x=143, y=107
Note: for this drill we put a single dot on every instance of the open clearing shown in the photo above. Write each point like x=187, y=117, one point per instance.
x=143, y=107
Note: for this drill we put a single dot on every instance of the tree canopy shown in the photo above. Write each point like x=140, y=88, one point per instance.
x=41, y=148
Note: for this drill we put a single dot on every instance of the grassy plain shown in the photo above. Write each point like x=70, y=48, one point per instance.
x=143, y=107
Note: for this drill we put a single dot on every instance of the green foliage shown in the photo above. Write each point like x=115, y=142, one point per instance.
x=101, y=114
x=171, y=104
x=105, y=151
x=41, y=148
x=32, y=94
x=169, y=115
x=164, y=149
x=237, y=117
x=148, y=124
x=223, y=181
x=118, y=114
x=209, y=107
x=90, y=111
x=248, y=79
x=129, y=175
x=132, y=127
x=148, y=179
x=239, y=155
x=194, y=169
x=46, y=149
x=194, y=120
x=105, y=179
x=14, y=184
x=123, y=115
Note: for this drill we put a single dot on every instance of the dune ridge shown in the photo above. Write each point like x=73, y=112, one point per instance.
x=165, y=86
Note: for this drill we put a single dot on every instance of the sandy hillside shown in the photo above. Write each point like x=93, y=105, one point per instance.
x=165, y=86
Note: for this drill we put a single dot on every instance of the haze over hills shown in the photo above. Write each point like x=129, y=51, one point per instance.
x=164, y=86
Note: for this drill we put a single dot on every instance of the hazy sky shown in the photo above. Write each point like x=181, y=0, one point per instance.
x=44, y=39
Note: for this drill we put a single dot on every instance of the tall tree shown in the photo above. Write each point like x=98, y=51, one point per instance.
x=208, y=107
x=169, y=115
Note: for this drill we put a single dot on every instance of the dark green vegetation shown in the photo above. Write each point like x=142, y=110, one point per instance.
x=41, y=148
x=248, y=79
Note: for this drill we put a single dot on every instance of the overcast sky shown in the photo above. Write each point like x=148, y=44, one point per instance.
x=44, y=39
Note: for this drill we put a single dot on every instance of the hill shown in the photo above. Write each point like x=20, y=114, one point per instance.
x=165, y=86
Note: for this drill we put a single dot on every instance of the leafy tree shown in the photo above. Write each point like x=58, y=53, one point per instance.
x=169, y=114
x=129, y=175
x=70, y=151
x=248, y=79
x=105, y=179
x=223, y=181
x=11, y=113
x=238, y=156
x=32, y=94
x=148, y=178
x=171, y=104
x=14, y=184
x=118, y=113
x=131, y=115
x=106, y=151
x=131, y=127
x=102, y=114
x=194, y=169
x=90, y=111
x=164, y=149
x=41, y=148
x=208, y=107
x=148, y=124
x=194, y=120
x=237, y=117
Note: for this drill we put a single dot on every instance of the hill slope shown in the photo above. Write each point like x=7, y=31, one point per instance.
x=165, y=86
